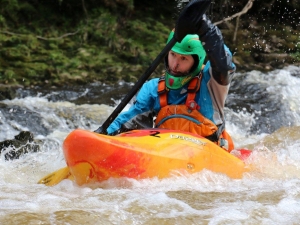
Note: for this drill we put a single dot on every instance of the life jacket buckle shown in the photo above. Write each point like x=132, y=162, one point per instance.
x=192, y=105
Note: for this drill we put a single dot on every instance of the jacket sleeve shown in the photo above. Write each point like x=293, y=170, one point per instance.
x=140, y=114
x=220, y=57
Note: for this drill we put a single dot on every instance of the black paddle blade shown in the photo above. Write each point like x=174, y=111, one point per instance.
x=190, y=18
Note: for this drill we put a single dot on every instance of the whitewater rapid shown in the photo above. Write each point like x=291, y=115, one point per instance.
x=263, y=114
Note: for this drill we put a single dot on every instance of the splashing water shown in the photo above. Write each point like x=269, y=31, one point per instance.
x=262, y=114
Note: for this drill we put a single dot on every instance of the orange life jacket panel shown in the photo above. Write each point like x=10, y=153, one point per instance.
x=187, y=117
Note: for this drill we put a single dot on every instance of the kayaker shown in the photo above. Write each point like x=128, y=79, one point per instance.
x=190, y=96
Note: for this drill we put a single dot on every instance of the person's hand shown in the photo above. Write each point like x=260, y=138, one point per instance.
x=200, y=26
x=190, y=18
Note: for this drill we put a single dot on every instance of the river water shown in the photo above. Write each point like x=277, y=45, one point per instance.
x=263, y=114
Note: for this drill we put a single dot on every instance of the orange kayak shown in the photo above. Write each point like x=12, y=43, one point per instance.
x=139, y=154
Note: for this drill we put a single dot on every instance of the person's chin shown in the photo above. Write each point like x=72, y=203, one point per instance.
x=176, y=74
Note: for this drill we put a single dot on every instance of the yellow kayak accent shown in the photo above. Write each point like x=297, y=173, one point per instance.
x=56, y=177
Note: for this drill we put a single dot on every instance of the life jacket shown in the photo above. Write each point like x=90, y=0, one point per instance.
x=188, y=118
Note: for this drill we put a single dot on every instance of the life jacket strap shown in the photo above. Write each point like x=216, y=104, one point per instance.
x=193, y=87
x=194, y=84
x=162, y=91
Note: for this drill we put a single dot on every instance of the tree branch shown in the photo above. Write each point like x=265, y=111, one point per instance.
x=236, y=28
x=61, y=37
x=84, y=9
x=40, y=37
x=245, y=10
x=238, y=15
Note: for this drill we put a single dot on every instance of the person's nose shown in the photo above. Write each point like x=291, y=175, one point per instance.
x=175, y=65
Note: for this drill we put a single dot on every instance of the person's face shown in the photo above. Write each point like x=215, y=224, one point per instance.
x=179, y=64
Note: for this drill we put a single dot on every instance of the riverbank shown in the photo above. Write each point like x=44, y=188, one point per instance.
x=108, y=48
x=52, y=66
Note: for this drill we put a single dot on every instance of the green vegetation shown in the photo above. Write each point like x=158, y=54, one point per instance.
x=102, y=45
x=66, y=41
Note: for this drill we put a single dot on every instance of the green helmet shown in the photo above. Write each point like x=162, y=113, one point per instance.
x=190, y=45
